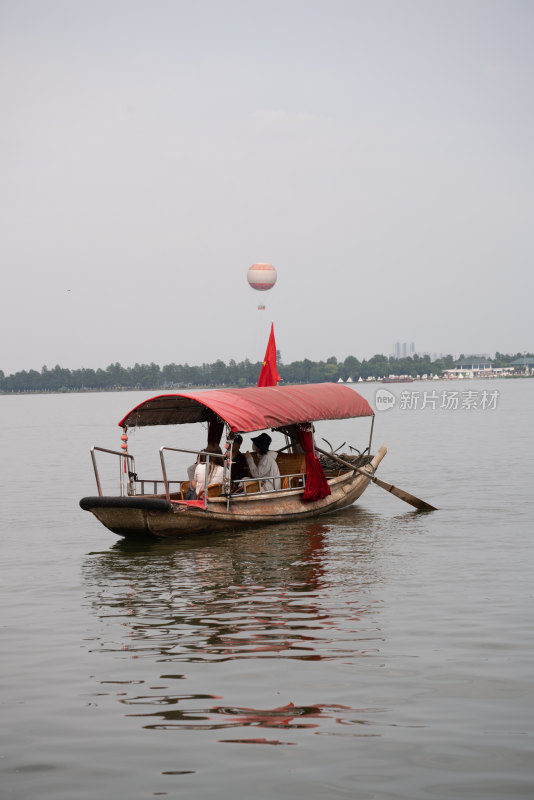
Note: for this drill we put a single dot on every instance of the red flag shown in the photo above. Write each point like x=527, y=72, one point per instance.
x=269, y=374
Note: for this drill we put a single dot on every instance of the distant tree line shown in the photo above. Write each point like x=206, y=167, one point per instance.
x=243, y=373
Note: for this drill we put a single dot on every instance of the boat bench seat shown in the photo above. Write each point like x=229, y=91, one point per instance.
x=250, y=487
x=214, y=489
x=291, y=464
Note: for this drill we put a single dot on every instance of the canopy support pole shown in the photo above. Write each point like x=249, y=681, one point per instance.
x=371, y=434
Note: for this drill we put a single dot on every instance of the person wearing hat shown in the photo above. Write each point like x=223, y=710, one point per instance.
x=266, y=469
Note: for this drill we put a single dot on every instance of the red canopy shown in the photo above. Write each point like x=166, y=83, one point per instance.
x=252, y=409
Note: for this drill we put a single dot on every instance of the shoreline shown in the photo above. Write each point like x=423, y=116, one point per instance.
x=200, y=387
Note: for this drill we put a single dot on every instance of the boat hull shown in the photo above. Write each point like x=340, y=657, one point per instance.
x=141, y=515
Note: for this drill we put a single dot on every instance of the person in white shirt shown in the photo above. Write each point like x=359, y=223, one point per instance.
x=266, y=469
x=215, y=474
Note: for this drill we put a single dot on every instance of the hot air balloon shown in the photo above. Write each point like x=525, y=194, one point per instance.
x=261, y=277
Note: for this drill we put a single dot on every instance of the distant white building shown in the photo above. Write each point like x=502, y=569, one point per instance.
x=470, y=367
x=523, y=364
x=476, y=367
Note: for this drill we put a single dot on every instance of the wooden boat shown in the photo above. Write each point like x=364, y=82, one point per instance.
x=290, y=410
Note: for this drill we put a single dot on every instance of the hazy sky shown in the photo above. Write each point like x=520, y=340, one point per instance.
x=379, y=153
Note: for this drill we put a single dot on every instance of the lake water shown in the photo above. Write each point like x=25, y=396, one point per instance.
x=374, y=653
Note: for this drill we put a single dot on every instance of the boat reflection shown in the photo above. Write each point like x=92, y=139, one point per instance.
x=302, y=592
x=216, y=718
x=256, y=594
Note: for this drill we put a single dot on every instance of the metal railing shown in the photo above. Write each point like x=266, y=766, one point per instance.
x=155, y=484
x=128, y=479
x=197, y=453
x=124, y=460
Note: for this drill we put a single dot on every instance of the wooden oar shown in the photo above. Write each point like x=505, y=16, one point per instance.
x=422, y=505
x=400, y=493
